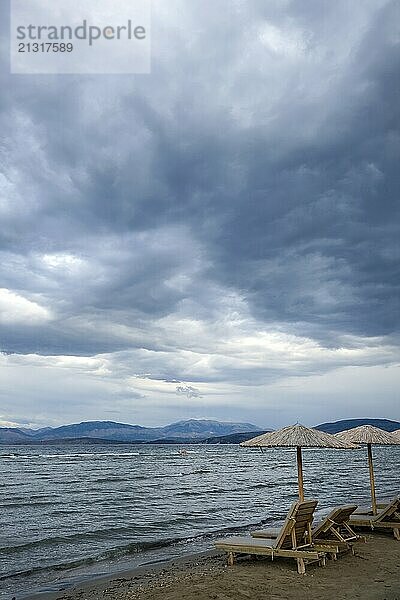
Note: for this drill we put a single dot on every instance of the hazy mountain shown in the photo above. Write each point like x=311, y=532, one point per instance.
x=337, y=426
x=107, y=430
x=196, y=428
x=34, y=432
x=193, y=429
x=11, y=435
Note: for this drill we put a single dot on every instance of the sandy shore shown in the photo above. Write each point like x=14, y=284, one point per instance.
x=372, y=574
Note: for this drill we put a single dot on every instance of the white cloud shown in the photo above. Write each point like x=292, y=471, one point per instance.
x=290, y=42
x=8, y=423
x=62, y=261
x=14, y=308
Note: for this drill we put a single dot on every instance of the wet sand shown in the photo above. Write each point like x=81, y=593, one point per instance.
x=372, y=574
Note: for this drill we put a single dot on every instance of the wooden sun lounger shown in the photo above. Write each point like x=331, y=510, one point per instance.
x=367, y=510
x=335, y=528
x=288, y=543
x=332, y=534
x=388, y=518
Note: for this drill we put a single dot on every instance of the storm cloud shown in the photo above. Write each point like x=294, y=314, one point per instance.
x=189, y=239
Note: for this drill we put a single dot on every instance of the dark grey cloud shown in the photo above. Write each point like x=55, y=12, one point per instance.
x=248, y=185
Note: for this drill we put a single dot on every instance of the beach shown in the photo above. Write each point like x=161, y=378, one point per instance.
x=71, y=515
x=372, y=574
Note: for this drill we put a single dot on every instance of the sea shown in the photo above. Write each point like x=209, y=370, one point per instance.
x=70, y=513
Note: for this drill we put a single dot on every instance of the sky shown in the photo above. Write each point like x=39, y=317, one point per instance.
x=217, y=239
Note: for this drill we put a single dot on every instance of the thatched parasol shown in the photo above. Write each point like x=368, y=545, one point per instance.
x=368, y=434
x=396, y=434
x=297, y=436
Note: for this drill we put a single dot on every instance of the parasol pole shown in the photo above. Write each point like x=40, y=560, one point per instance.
x=300, y=473
x=372, y=479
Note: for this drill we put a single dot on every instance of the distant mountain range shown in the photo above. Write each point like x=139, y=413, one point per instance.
x=191, y=431
x=9, y=435
x=337, y=426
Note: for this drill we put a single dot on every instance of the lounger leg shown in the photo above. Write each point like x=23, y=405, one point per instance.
x=396, y=533
x=301, y=567
x=230, y=559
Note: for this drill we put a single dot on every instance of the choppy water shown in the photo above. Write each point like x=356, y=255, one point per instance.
x=69, y=513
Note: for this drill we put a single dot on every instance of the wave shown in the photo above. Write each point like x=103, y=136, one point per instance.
x=118, y=552
x=272, y=484
x=200, y=471
x=112, y=554
x=97, y=534
x=168, y=475
x=72, y=455
x=182, y=474
x=211, y=492
x=11, y=455
x=104, y=534
x=110, y=479
x=30, y=504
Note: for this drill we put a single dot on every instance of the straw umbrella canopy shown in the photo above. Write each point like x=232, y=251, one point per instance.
x=297, y=436
x=368, y=434
x=396, y=434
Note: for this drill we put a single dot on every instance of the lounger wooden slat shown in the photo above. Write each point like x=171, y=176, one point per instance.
x=289, y=542
x=388, y=518
x=249, y=545
x=333, y=531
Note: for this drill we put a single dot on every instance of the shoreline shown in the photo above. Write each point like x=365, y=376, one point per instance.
x=372, y=574
x=137, y=575
x=66, y=539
